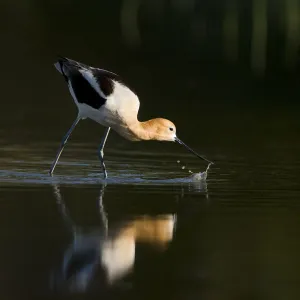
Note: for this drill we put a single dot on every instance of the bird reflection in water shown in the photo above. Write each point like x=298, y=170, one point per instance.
x=107, y=253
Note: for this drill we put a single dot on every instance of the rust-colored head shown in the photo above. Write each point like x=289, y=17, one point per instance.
x=160, y=129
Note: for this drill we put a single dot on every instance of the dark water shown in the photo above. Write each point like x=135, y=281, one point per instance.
x=151, y=231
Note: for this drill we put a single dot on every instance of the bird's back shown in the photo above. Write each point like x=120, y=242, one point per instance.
x=99, y=94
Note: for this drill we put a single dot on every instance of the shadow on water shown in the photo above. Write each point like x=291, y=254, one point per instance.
x=107, y=251
x=104, y=256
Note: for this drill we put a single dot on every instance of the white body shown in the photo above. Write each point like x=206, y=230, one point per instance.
x=119, y=111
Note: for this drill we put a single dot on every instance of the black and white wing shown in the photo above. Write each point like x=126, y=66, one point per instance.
x=90, y=85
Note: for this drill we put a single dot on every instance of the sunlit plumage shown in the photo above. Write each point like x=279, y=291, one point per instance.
x=103, y=97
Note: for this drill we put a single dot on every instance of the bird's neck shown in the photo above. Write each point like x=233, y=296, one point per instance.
x=138, y=131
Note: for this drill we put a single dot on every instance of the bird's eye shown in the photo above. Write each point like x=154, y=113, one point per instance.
x=171, y=128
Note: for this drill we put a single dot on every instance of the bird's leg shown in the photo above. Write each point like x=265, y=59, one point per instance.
x=62, y=145
x=100, y=150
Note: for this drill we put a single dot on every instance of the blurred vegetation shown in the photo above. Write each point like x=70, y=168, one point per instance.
x=259, y=35
x=215, y=54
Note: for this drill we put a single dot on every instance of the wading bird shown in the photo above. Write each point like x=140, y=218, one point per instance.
x=103, y=97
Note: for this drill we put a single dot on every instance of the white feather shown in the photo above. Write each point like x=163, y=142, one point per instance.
x=124, y=102
x=121, y=107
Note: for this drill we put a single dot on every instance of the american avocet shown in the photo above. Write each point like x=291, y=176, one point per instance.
x=101, y=96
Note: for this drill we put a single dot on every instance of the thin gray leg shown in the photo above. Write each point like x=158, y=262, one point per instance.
x=62, y=145
x=100, y=150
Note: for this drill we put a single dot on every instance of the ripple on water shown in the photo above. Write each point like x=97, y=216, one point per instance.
x=139, y=172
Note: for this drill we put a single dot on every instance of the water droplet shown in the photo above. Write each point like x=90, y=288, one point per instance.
x=178, y=161
x=183, y=167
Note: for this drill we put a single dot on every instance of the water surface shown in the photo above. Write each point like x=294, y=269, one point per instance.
x=150, y=230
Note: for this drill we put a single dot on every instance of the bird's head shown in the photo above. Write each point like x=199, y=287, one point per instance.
x=160, y=129
x=164, y=130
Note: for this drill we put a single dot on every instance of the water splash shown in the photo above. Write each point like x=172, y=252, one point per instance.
x=196, y=176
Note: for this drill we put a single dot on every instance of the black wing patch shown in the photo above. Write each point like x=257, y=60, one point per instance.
x=84, y=92
x=104, y=80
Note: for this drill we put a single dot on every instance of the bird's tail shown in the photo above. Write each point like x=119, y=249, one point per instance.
x=64, y=63
x=58, y=67
x=61, y=63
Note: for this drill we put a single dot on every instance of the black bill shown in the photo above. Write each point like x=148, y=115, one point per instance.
x=191, y=150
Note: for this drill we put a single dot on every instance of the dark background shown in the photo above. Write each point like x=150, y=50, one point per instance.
x=226, y=73
x=186, y=59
